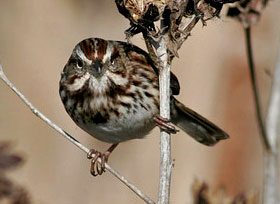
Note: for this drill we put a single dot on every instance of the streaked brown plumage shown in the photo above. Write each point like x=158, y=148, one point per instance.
x=111, y=90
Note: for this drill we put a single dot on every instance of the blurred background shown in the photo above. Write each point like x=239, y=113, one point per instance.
x=36, y=40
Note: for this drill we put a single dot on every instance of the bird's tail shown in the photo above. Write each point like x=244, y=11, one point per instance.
x=198, y=127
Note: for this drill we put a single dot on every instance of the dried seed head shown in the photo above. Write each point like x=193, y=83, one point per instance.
x=248, y=12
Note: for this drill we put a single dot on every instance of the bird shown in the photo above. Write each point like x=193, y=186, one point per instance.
x=110, y=89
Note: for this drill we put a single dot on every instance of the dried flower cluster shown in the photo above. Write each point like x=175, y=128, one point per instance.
x=248, y=12
x=178, y=17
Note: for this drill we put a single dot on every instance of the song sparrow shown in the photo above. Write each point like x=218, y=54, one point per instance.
x=111, y=90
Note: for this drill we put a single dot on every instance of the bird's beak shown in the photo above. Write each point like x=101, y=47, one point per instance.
x=96, y=69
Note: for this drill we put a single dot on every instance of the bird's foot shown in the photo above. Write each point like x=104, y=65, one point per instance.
x=164, y=124
x=98, y=168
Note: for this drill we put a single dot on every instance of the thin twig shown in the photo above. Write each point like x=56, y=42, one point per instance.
x=150, y=49
x=187, y=31
x=271, y=163
x=72, y=139
x=260, y=118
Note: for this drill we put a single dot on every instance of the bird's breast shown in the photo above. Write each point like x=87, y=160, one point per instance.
x=115, y=114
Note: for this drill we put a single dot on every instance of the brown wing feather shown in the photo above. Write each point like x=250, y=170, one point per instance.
x=189, y=121
x=174, y=83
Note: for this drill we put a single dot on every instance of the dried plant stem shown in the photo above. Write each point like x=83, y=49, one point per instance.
x=271, y=163
x=260, y=118
x=270, y=188
x=72, y=139
x=162, y=59
x=165, y=142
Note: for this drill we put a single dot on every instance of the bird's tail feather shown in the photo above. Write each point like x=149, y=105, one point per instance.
x=198, y=127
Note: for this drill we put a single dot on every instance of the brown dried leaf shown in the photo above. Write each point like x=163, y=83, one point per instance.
x=8, y=160
x=138, y=8
x=14, y=194
x=142, y=14
x=208, y=11
x=202, y=194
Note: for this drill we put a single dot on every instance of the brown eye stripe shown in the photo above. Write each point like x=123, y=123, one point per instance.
x=87, y=46
x=115, y=54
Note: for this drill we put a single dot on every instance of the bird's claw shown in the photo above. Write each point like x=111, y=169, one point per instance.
x=164, y=124
x=97, y=168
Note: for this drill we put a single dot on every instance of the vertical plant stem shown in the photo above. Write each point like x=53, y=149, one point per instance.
x=165, y=142
x=270, y=189
x=260, y=118
x=271, y=163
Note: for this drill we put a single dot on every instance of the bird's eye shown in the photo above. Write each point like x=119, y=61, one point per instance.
x=113, y=65
x=79, y=64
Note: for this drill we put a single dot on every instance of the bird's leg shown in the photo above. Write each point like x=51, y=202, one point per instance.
x=97, y=168
x=165, y=125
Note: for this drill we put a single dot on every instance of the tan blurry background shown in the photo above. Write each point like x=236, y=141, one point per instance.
x=36, y=40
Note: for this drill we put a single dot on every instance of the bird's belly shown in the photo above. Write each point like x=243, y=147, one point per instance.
x=132, y=125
